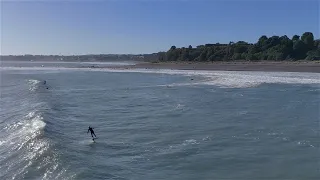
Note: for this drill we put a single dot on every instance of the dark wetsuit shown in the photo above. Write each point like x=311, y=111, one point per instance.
x=91, y=131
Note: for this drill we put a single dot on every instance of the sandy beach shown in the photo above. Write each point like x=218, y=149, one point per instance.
x=298, y=66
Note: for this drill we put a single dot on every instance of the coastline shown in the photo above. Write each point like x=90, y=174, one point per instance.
x=267, y=66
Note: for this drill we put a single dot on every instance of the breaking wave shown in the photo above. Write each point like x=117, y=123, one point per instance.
x=229, y=79
x=237, y=79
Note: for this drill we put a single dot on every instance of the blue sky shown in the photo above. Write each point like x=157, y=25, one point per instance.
x=141, y=26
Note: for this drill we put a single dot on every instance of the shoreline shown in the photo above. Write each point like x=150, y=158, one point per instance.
x=262, y=66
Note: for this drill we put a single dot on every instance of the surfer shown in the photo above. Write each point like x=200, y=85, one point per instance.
x=91, y=131
x=45, y=82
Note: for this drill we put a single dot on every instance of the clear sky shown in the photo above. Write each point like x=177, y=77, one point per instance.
x=146, y=26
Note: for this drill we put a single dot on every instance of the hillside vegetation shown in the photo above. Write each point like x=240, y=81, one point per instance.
x=273, y=48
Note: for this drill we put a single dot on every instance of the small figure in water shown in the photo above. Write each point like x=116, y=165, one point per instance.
x=45, y=82
x=92, y=132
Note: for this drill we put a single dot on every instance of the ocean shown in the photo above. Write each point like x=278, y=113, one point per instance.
x=156, y=124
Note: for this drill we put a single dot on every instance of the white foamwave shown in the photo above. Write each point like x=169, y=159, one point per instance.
x=179, y=106
x=24, y=131
x=251, y=79
x=305, y=143
x=31, y=114
x=234, y=79
x=29, y=129
x=110, y=63
x=33, y=84
x=189, y=142
x=24, y=142
x=228, y=79
x=33, y=81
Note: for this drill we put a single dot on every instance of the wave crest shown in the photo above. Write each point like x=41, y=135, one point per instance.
x=33, y=84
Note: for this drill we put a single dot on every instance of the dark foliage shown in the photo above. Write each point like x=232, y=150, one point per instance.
x=272, y=48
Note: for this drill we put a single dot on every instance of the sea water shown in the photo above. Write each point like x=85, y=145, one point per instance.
x=157, y=124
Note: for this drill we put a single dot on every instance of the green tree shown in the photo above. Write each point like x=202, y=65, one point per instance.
x=313, y=55
x=299, y=49
x=295, y=38
x=251, y=57
x=316, y=44
x=274, y=40
x=254, y=49
x=236, y=56
x=184, y=56
x=195, y=54
x=211, y=58
x=308, y=39
x=162, y=56
x=262, y=40
x=203, y=55
x=173, y=48
x=210, y=52
x=273, y=48
x=241, y=47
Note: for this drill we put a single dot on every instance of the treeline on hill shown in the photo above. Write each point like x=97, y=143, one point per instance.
x=272, y=48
